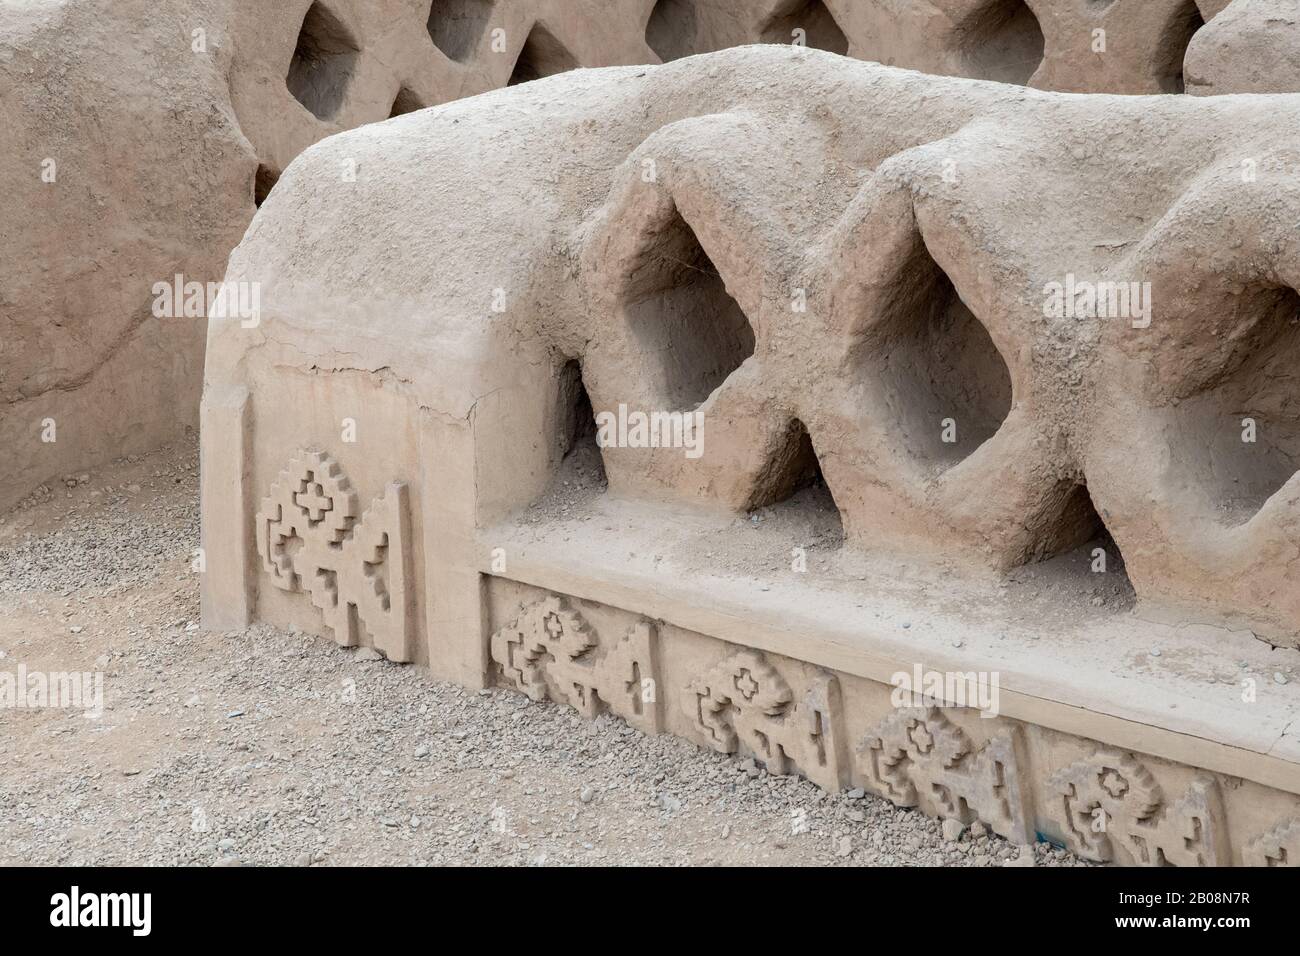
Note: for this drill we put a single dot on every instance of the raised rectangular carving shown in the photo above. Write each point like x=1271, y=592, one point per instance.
x=745, y=700
x=550, y=651
x=356, y=570
x=918, y=757
x=1113, y=809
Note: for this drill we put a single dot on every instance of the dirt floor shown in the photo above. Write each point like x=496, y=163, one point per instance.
x=272, y=748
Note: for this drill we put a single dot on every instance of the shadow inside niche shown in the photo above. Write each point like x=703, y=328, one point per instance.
x=542, y=55
x=578, y=468
x=406, y=102
x=672, y=28
x=323, y=63
x=945, y=387
x=457, y=26
x=820, y=30
x=683, y=319
x=1002, y=41
x=791, y=497
x=1236, y=438
x=1174, y=41
x=1081, y=572
x=263, y=182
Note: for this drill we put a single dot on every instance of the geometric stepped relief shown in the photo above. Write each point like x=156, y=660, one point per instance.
x=1115, y=811
x=550, y=652
x=1280, y=846
x=744, y=700
x=356, y=571
x=917, y=756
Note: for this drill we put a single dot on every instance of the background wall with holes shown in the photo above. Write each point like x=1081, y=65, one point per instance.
x=307, y=68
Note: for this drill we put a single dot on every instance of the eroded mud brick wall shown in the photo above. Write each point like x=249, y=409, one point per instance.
x=858, y=276
x=141, y=136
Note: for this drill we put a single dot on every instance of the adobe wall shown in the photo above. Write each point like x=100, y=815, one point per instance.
x=919, y=451
x=167, y=124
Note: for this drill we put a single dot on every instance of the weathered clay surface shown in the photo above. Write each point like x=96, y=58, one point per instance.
x=163, y=149
x=114, y=179
x=1017, y=779
x=273, y=78
x=871, y=323
x=1252, y=46
x=923, y=270
x=166, y=125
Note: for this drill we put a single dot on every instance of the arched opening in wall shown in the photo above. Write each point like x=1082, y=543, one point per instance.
x=682, y=318
x=817, y=23
x=406, y=102
x=1002, y=41
x=263, y=182
x=542, y=55
x=791, y=495
x=1172, y=50
x=578, y=466
x=672, y=28
x=457, y=26
x=946, y=387
x=1078, y=563
x=1236, y=437
x=323, y=62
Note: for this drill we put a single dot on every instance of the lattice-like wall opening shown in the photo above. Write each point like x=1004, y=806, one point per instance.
x=405, y=102
x=1002, y=41
x=263, y=182
x=323, y=62
x=1235, y=437
x=672, y=29
x=1174, y=41
x=819, y=28
x=682, y=318
x=576, y=454
x=542, y=55
x=792, y=489
x=457, y=26
x=945, y=384
x=1078, y=565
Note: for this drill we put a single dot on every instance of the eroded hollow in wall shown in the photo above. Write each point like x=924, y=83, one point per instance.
x=1235, y=438
x=684, y=323
x=323, y=62
x=542, y=55
x=1078, y=569
x=791, y=497
x=809, y=20
x=263, y=182
x=405, y=102
x=1174, y=41
x=945, y=387
x=1002, y=41
x=578, y=468
x=457, y=26
x=672, y=29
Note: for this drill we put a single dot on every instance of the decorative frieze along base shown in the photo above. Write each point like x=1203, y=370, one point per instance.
x=1019, y=779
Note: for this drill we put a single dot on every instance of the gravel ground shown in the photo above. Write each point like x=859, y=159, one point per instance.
x=275, y=748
